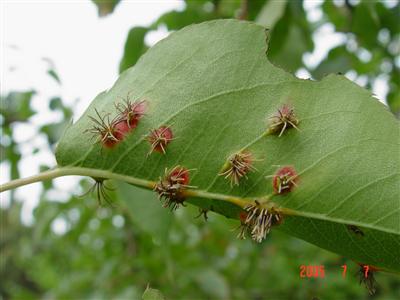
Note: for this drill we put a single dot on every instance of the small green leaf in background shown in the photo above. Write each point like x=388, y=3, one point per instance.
x=55, y=130
x=51, y=69
x=152, y=294
x=54, y=75
x=105, y=7
x=369, y=26
x=55, y=103
x=365, y=23
x=271, y=13
x=134, y=47
x=16, y=106
x=175, y=20
x=290, y=37
x=212, y=283
x=337, y=62
x=393, y=97
x=339, y=16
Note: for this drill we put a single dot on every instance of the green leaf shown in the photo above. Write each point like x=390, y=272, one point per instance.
x=364, y=17
x=152, y=294
x=16, y=106
x=174, y=20
x=340, y=16
x=213, y=85
x=105, y=7
x=212, y=283
x=393, y=97
x=271, y=12
x=338, y=61
x=290, y=38
x=255, y=7
x=388, y=17
x=53, y=74
x=56, y=103
x=134, y=47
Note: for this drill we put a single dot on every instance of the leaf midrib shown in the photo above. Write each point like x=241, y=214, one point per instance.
x=92, y=172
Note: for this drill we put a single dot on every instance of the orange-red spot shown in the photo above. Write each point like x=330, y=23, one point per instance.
x=180, y=175
x=285, y=180
x=160, y=138
x=282, y=120
x=121, y=129
x=109, y=143
x=131, y=112
x=140, y=108
x=243, y=216
x=135, y=112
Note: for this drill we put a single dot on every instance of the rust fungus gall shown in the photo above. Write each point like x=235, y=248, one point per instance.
x=159, y=139
x=121, y=128
x=242, y=216
x=131, y=112
x=237, y=166
x=282, y=120
x=171, y=185
x=284, y=180
x=259, y=220
x=179, y=175
x=108, y=132
x=243, y=227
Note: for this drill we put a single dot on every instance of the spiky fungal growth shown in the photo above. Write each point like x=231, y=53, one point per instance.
x=108, y=132
x=159, y=139
x=243, y=228
x=258, y=220
x=283, y=119
x=284, y=180
x=131, y=112
x=171, y=186
x=237, y=166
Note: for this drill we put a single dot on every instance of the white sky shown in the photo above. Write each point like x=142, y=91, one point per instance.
x=86, y=51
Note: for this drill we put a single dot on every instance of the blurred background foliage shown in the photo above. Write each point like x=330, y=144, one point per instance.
x=115, y=252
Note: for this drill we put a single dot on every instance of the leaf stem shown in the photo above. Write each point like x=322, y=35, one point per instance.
x=46, y=175
x=69, y=171
x=241, y=202
x=95, y=173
